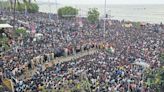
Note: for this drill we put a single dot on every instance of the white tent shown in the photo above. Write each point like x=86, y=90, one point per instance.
x=5, y=26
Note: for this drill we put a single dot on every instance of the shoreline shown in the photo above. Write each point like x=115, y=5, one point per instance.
x=114, y=19
x=150, y=13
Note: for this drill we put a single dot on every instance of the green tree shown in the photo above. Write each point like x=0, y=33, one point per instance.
x=93, y=15
x=31, y=8
x=67, y=12
x=13, y=5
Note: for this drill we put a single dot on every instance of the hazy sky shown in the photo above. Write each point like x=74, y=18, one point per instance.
x=108, y=1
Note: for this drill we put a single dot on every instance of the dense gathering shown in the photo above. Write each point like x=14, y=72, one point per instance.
x=103, y=71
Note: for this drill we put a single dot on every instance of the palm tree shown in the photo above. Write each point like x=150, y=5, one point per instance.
x=13, y=5
x=14, y=14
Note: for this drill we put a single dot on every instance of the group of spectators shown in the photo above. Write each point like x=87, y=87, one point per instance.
x=101, y=72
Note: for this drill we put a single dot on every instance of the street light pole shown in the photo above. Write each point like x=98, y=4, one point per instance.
x=56, y=10
x=49, y=9
x=14, y=20
x=49, y=5
x=105, y=18
x=1, y=5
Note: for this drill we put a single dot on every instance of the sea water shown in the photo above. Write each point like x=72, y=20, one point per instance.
x=137, y=13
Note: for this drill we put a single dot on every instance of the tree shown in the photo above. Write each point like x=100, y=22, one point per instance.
x=67, y=12
x=93, y=15
x=31, y=8
x=26, y=2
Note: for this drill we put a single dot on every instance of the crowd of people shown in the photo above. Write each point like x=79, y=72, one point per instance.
x=101, y=72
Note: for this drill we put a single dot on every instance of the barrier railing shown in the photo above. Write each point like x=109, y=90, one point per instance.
x=28, y=73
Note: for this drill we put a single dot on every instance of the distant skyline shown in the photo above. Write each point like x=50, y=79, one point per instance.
x=67, y=2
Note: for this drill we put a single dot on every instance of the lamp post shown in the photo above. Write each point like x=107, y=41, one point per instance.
x=57, y=10
x=49, y=5
x=14, y=14
x=104, y=18
x=49, y=9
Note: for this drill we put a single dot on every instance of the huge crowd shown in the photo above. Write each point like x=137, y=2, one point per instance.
x=100, y=72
